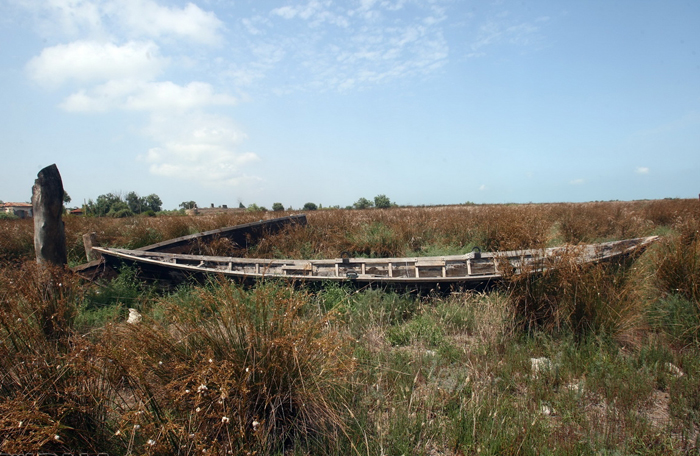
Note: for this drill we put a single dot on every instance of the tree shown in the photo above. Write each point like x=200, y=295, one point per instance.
x=66, y=197
x=104, y=203
x=119, y=209
x=188, y=205
x=113, y=205
x=310, y=207
x=382, y=201
x=277, y=207
x=255, y=208
x=362, y=203
x=154, y=203
x=135, y=202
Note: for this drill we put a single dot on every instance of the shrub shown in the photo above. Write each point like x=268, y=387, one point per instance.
x=120, y=213
x=255, y=208
x=578, y=297
x=382, y=202
x=53, y=397
x=230, y=370
x=363, y=203
x=377, y=240
x=678, y=264
x=16, y=240
x=310, y=207
x=277, y=207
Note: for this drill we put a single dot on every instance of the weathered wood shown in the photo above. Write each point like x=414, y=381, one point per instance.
x=241, y=235
x=466, y=270
x=47, y=205
x=90, y=241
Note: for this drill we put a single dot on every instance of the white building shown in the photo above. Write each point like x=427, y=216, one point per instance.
x=21, y=210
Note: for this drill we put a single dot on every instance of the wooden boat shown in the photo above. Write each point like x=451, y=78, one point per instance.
x=242, y=235
x=470, y=270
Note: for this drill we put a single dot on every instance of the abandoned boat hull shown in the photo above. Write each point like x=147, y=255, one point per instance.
x=242, y=235
x=474, y=269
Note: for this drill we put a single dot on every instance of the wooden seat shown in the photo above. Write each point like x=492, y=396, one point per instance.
x=420, y=263
x=298, y=268
x=429, y=263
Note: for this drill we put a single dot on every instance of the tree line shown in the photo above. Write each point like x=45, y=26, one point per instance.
x=114, y=205
x=380, y=202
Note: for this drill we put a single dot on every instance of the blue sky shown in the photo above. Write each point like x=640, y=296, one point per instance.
x=428, y=102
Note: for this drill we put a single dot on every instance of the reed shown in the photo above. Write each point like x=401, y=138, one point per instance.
x=53, y=393
x=344, y=371
x=226, y=370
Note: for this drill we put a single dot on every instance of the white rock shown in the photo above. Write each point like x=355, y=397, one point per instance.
x=134, y=316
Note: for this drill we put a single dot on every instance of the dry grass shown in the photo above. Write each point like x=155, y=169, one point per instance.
x=383, y=232
x=53, y=394
x=226, y=370
x=274, y=370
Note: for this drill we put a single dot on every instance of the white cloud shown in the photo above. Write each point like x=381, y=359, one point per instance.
x=91, y=61
x=131, y=18
x=146, y=96
x=577, y=182
x=501, y=31
x=198, y=147
x=314, y=12
x=482, y=187
x=117, y=65
x=167, y=95
x=148, y=18
x=336, y=48
x=65, y=17
x=642, y=170
x=302, y=11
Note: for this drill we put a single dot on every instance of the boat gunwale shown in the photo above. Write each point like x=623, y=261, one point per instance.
x=140, y=256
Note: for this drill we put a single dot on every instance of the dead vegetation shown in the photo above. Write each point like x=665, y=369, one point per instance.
x=277, y=370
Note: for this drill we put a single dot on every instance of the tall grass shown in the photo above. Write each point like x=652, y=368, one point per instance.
x=677, y=268
x=277, y=370
x=53, y=392
x=230, y=371
x=381, y=232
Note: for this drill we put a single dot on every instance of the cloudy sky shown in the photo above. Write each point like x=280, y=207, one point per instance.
x=426, y=101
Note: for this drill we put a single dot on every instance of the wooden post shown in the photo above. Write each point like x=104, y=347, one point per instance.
x=49, y=232
x=90, y=241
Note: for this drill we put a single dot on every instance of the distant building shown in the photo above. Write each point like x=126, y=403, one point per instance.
x=21, y=210
x=76, y=212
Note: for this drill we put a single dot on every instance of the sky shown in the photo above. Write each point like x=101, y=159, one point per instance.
x=327, y=101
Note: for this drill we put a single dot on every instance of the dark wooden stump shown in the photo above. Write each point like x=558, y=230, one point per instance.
x=49, y=232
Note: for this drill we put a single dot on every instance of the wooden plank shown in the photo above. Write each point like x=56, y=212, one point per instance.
x=291, y=268
x=430, y=263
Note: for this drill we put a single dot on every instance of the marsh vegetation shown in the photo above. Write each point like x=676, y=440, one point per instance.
x=596, y=359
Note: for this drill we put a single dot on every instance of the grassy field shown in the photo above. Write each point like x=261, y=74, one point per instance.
x=583, y=360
